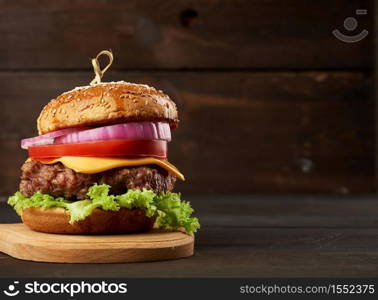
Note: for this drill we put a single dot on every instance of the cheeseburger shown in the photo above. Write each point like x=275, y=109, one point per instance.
x=100, y=164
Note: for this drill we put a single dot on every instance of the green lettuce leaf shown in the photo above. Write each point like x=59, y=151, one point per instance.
x=169, y=210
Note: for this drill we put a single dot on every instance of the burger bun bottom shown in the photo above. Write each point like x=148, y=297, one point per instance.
x=56, y=220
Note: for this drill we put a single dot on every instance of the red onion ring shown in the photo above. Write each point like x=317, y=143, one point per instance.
x=48, y=138
x=125, y=131
x=129, y=131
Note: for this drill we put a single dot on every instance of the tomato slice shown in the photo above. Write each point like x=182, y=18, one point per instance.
x=128, y=148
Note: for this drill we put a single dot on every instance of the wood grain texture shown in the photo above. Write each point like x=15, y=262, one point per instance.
x=21, y=242
x=148, y=34
x=220, y=262
x=284, y=236
x=376, y=90
x=269, y=211
x=289, y=211
x=240, y=132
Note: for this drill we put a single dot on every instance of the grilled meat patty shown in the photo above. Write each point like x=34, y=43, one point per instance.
x=60, y=181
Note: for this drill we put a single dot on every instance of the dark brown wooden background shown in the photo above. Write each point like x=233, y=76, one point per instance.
x=270, y=101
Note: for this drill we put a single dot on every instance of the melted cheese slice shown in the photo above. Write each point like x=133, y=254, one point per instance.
x=92, y=165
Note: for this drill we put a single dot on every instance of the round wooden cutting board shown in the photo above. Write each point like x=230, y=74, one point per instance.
x=19, y=241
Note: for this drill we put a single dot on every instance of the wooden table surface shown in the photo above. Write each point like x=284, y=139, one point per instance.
x=251, y=236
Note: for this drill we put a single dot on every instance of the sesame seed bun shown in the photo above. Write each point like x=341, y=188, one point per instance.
x=107, y=103
x=56, y=220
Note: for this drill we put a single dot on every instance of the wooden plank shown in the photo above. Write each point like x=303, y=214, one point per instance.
x=218, y=211
x=236, y=250
x=241, y=132
x=286, y=239
x=285, y=211
x=191, y=34
x=376, y=93
x=245, y=253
